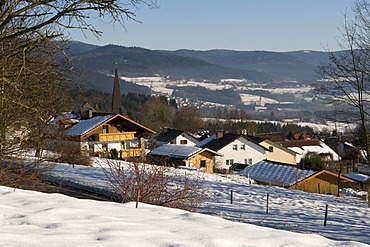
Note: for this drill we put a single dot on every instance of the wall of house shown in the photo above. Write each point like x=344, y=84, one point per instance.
x=252, y=151
x=184, y=137
x=323, y=184
x=99, y=130
x=278, y=154
x=207, y=157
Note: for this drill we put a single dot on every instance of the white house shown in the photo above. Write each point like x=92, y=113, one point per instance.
x=307, y=147
x=234, y=148
x=173, y=136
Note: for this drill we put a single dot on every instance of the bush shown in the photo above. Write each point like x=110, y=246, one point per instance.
x=158, y=185
x=70, y=152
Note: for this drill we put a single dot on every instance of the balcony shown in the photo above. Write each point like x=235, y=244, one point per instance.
x=123, y=136
x=132, y=152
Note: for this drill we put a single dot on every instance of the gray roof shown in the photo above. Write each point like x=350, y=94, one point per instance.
x=276, y=174
x=166, y=136
x=175, y=151
x=83, y=126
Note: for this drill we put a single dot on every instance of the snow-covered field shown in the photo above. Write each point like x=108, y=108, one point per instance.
x=292, y=211
x=35, y=219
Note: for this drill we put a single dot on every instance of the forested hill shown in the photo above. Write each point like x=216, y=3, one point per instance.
x=94, y=63
x=290, y=66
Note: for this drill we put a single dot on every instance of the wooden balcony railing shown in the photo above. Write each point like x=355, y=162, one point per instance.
x=132, y=152
x=124, y=136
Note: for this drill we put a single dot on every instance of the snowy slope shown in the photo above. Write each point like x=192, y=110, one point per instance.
x=31, y=218
x=348, y=218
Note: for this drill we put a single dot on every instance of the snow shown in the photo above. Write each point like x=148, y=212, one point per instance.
x=176, y=151
x=357, y=176
x=36, y=219
x=30, y=218
x=271, y=173
x=84, y=126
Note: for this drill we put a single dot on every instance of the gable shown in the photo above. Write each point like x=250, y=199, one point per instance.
x=84, y=127
x=166, y=136
x=215, y=143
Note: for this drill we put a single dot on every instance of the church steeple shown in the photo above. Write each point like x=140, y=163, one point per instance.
x=117, y=106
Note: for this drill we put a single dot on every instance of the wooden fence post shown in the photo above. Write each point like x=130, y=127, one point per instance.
x=138, y=197
x=326, y=214
x=267, y=204
x=231, y=197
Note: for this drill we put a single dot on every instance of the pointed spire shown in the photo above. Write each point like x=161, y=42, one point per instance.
x=117, y=106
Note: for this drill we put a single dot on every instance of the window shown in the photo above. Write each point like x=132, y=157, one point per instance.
x=202, y=163
x=104, y=147
x=248, y=161
x=183, y=142
x=229, y=162
x=235, y=146
x=242, y=147
x=105, y=129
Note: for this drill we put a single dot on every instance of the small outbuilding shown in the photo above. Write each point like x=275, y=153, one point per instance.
x=291, y=177
x=179, y=155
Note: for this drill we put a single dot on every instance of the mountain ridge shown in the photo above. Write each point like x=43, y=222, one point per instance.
x=184, y=64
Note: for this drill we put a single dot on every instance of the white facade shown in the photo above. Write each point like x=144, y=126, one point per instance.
x=185, y=139
x=240, y=151
x=321, y=149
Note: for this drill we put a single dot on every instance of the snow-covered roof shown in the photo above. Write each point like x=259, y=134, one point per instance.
x=175, y=151
x=276, y=174
x=65, y=115
x=357, y=176
x=83, y=126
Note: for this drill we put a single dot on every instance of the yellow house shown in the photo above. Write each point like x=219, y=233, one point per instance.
x=276, y=152
x=180, y=155
x=322, y=182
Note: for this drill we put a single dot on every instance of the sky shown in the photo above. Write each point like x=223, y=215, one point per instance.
x=295, y=218
x=271, y=25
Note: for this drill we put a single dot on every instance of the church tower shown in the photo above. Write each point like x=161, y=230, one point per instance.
x=117, y=106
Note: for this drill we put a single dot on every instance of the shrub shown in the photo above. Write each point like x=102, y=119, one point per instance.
x=158, y=185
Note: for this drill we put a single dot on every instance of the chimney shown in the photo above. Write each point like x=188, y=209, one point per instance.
x=219, y=134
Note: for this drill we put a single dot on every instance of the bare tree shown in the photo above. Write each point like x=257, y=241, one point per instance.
x=157, y=113
x=188, y=119
x=32, y=80
x=347, y=85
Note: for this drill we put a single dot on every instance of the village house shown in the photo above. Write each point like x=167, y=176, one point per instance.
x=234, y=148
x=308, y=147
x=181, y=155
x=112, y=134
x=109, y=135
x=276, y=152
x=173, y=136
x=292, y=177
